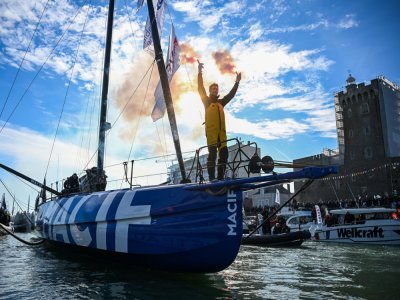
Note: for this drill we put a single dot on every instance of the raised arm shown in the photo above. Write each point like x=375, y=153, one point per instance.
x=225, y=100
x=200, y=84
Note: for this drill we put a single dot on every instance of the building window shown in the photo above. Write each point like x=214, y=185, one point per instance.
x=367, y=130
x=368, y=152
x=364, y=108
x=351, y=134
x=349, y=113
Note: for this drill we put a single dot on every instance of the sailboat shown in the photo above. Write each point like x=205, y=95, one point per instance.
x=188, y=227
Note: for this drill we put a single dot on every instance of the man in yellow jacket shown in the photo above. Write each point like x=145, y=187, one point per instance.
x=215, y=124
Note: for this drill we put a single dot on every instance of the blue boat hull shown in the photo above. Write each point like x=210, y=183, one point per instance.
x=163, y=227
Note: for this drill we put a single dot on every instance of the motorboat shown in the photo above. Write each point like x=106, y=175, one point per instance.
x=290, y=239
x=300, y=222
x=378, y=226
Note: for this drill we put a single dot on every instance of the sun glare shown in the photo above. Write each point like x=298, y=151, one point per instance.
x=190, y=109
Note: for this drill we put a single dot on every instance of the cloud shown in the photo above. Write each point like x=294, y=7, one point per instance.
x=266, y=129
x=304, y=27
x=206, y=13
x=27, y=151
x=278, y=9
x=56, y=51
x=276, y=77
x=349, y=21
x=255, y=31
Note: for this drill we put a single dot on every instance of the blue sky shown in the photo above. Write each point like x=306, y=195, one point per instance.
x=294, y=55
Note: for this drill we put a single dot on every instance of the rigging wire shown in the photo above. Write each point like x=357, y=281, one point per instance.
x=130, y=24
x=23, y=59
x=92, y=102
x=162, y=146
x=68, y=87
x=40, y=69
x=140, y=114
x=165, y=140
x=303, y=187
x=121, y=112
x=16, y=201
x=141, y=109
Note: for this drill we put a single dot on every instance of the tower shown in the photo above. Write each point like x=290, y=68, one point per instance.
x=368, y=129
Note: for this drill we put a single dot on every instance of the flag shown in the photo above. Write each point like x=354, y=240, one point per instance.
x=139, y=5
x=148, y=38
x=172, y=64
x=318, y=211
x=277, y=197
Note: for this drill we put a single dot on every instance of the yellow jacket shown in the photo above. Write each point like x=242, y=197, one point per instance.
x=215, y=116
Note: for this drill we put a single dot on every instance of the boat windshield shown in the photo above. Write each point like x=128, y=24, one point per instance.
x=300, y=220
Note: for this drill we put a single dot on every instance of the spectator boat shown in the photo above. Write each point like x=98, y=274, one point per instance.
x=290, y=239
x=378, y=226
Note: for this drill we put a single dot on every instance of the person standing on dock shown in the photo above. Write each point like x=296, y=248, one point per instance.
x=215, y=123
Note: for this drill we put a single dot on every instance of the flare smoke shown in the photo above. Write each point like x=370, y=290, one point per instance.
x=224, y=62
x=188, y=55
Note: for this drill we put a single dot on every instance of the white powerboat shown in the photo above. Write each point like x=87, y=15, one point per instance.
x=379, y=226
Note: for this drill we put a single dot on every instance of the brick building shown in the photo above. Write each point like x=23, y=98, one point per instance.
x=368, y=130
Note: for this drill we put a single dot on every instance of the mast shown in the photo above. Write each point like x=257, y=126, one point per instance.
x=165, y=86
x=104, y=125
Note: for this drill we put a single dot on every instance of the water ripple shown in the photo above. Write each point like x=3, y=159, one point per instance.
x=313, y=271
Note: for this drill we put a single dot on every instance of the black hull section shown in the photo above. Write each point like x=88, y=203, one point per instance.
x=292, y=239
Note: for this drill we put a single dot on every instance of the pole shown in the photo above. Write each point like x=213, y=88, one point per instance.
x=33, y=181
x=104, y=126
x=165, y=85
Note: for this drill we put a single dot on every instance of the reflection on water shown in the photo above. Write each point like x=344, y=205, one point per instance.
x=312, y=271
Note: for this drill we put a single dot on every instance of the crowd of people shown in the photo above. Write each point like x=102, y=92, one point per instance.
x=277, y=224
x=5, y=216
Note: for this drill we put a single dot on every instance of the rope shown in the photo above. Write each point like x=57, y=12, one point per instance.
x=66, y=92
x=306, y=185
x=130, y=25
x=40, y=69
x=41, y=241
x=141, y=110
x=81, y=154
x=162, y=147
x=119, y=115
x=140, y=114
x=165, y=137
x=23, y=59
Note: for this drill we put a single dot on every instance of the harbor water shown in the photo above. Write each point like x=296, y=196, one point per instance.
x=312, y=271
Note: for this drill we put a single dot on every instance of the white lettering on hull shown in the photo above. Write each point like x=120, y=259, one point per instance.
x=101, y=223
x=232, y=208
x=126, y=215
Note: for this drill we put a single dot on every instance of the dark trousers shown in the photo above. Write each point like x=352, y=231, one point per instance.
x=222, y=160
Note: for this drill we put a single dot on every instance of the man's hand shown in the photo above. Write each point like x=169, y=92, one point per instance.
x=238, y=77
x=200, y=66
